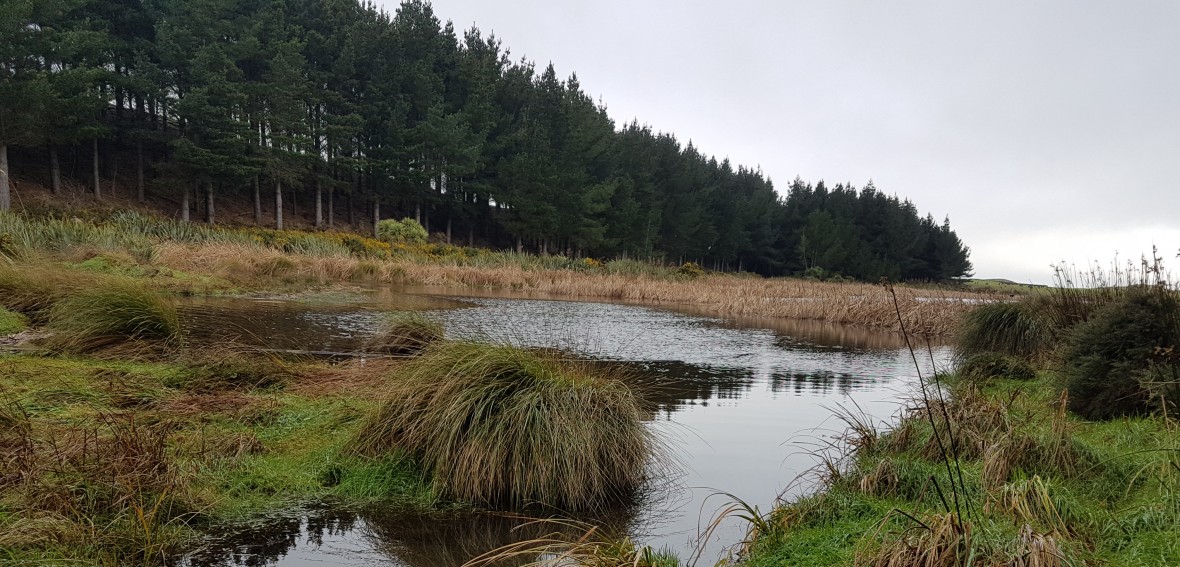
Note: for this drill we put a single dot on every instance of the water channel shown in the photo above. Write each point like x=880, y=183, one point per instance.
x=741, y=401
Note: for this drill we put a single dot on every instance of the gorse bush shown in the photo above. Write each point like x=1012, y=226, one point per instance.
x=690, y=269
x=407, y=231
x=1112, y=360
x=506, y=427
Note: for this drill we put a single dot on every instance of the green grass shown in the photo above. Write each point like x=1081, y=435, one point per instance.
x=1103, y=492
x=11, y=323
x=234, y=453
x=506, y=427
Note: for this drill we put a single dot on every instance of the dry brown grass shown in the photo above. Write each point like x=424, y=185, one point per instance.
x=111, y=484
x=923, y=311
x=939, y=541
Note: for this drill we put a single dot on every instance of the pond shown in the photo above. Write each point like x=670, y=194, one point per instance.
x=742, y=401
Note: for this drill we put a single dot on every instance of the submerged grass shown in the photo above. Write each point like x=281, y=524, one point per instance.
x=406, y=334
x=507, y=427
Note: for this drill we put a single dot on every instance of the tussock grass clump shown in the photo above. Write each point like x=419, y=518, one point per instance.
x=33, y=289
x=1014, y=329
x=988, y=365
x=506, y=427
x=114, y=312
x=406, y=334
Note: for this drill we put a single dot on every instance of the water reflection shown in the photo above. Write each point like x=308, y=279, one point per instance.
x=325, y=534
x=731, y=395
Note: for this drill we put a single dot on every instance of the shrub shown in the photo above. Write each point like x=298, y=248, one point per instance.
x=1113, y=359
x=112, y=312
x=690, y=269
x=504, y=427
x=1013, y=329
x=406, y=334
x=987, y=365
x=404, y=231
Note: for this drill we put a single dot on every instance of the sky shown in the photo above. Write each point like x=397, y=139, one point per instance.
x=1047, y=131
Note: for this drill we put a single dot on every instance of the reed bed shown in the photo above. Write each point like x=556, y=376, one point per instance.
x=262, y=258
x=508, y=428
x=924, y=312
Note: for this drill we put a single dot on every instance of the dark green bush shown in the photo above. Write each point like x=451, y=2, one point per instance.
x=988, y=365
x=1114, y=363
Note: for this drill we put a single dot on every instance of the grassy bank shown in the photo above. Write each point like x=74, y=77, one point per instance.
x=1039, y=487
x=115, y=462
x=193, y=258
x=1054, y=443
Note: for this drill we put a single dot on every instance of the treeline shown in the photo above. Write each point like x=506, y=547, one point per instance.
x=338, y=106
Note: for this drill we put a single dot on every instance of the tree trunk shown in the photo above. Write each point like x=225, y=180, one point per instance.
x=418, y=213
x=139, y=168
x=209, y=216
x=54, y=171
x=519, y=246
x=113, y=165
x=278, y=204
x=184, y=204
x=97, y=187
x=448, y=229
x=319, y=204
x=351, y=214
x=5, y=190
x=426, y=220
x=376, y=215
x=331, y=207
x=471, y=235
x=257, y=203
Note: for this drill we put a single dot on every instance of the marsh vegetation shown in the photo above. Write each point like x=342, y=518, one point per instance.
x=130, y=436
x=1056, y=444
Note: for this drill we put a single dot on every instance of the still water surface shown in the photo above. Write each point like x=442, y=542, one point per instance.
x=739, y=401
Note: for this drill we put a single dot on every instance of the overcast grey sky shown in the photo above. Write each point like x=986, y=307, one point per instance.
x=1046, y=131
